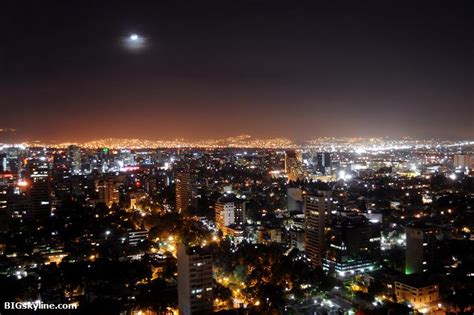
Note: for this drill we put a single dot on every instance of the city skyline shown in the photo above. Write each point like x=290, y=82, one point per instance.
x=237, y=157
x=338, y=226
x=84, y=71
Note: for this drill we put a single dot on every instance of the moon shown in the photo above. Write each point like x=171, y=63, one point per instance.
x=134, y=42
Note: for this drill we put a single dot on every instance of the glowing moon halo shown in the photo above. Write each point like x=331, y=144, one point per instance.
x=134, y=42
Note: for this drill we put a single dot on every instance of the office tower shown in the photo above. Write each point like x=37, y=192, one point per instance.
x=184, y=191
x=293, y=165
x=229, y=210
x=195, y=294
x=463, y=161
x=420, y=248
x=74, y=159
x=324, y=163
x=294, y=199
x=316, y=208
x=354, y=245
x=108, y=191
x=40, y=190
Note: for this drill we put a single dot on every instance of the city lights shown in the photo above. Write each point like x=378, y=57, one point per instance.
x=194, y=157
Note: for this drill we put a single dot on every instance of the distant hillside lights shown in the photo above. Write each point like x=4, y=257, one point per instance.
x=355, y=145
x=232, y=142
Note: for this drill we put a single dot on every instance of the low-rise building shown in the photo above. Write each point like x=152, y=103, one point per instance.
x=420, y=293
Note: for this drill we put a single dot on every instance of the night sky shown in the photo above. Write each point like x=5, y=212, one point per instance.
x=68, y=70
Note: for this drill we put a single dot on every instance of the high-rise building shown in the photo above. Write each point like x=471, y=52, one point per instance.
x=229, y=210
x=293, y=165
x=74, y=158
x=463, y=161
x=324, y=162
x=184, y=191
x=353, y=245
x=195, y=294
x=224, y=213
x=40, y=190
x=108, y=191
x=316, y=208
x=420, y=248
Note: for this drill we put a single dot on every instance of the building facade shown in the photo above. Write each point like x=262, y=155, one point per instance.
x=229, y=210
x=354, y=245
x=184, y=191
x=293, y=165
x=195, y=295
x=420, y=249
x=422, y=296
x=316, y=208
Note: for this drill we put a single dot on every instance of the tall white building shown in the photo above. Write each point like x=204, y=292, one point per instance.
x=229, y=210
x=195, y=295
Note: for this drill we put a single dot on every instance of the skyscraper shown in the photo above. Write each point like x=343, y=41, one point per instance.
x=195, y=294
x=74, y=158
x=108, y=191
x=420, y=248
x=40, y=190
x=315, y=209
x=324, y=162
x=184, y=191
x=354, y=244
x=293, y=165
